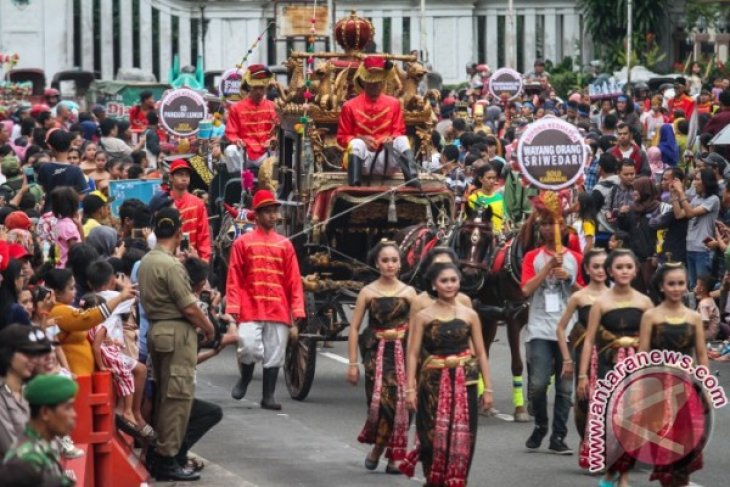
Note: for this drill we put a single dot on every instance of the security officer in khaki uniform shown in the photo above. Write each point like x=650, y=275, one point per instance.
x=172, y=340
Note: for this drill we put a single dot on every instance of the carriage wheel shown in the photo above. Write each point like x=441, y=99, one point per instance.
x=301, y=358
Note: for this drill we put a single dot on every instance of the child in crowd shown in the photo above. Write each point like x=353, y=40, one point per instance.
x=40, y=301
x=109, y=350
x=67, y=229
x=706, y=306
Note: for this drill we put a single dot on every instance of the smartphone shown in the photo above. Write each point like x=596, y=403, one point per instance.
x=29, y=175
x=185, y=242
x=138, y=233
x=707, y=240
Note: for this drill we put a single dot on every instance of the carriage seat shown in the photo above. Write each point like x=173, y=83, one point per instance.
x=330, y=180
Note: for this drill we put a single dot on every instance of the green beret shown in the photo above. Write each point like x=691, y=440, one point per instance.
x=49, y=390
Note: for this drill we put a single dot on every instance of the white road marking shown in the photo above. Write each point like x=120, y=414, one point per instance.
x=335, y=357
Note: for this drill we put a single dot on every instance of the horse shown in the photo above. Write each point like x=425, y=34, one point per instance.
x=491, y=277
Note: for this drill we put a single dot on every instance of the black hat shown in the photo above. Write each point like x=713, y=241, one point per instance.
x=680, y=81
x=24, y=338
x=167, y=221
x=91, y=204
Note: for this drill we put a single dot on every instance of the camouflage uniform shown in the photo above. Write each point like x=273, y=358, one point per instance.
x=37, y=452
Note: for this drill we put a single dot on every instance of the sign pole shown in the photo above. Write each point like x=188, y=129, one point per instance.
x=424, y=39
x=630, y=33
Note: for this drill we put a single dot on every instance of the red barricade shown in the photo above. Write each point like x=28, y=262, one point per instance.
x=109, y=461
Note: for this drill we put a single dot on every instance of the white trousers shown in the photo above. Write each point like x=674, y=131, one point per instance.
x=358, y=148
x=234, y=159
x=262, y=341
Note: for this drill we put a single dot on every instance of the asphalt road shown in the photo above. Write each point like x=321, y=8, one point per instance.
x=314, y=442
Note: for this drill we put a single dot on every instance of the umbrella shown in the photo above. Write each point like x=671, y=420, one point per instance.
x=722, y=137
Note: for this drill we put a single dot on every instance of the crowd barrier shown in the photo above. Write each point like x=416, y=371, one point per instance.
x=109, y=460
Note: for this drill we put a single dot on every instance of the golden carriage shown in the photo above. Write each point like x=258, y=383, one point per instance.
x=333, y=225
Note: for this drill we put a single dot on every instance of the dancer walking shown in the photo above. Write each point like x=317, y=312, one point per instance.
x=388, y=302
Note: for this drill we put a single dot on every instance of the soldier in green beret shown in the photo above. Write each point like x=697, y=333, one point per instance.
x=52, y=414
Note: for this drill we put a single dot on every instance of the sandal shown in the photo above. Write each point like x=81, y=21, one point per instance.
x=195, y=464
x=148, y=433
x=133, y=430
x=371, y=464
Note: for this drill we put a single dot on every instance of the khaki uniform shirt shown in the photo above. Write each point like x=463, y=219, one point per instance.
x=164, y=286
x=14, y=414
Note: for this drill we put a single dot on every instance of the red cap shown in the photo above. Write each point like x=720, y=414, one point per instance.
x=178, y=164
x=39, y=108
x=264, y=198
x=258, y=71
x=17, y=251
x=374, y=63
x=17, y=219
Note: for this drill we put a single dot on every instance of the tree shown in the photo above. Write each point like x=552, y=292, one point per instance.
x=606, y=22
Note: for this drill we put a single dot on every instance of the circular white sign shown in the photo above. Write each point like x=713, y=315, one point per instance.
x=505, y=80
x=230, y=84
x=181, y=111
x=551, y=153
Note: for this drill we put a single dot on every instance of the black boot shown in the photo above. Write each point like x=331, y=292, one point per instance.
x=409, y=168
x=167, y=468
x=270, y=376
x=239, y=390
x=354, y=170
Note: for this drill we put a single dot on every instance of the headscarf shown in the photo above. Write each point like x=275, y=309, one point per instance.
x=88, y=130
x=668, y=145
x=104, y=239
x=648, y=198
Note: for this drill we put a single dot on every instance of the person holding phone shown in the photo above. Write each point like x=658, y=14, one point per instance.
x=702, y=213
x=193, y=214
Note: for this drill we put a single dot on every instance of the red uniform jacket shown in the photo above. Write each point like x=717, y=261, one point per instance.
x=253, y=124
x=379, y=119
x=194, y=219
x=263, y=282
x=684, y=103
x=137, y=118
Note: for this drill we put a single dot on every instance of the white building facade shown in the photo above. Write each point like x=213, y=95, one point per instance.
x=106, y=35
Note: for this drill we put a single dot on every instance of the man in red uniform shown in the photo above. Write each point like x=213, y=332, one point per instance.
x=138, y=113
x=372, y=121
x=192, y=210
x=681, y=100
x=264, y=294
x=252, y=121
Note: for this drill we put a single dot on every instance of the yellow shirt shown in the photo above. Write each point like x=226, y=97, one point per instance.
x=90, y=225
x=75, y=325
x=495, y=201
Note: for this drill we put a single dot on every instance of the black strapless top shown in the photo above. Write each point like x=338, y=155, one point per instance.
x=388, y=312
x=446, y=337
x=678, y=337
x=583, y=312
x=622, y=321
